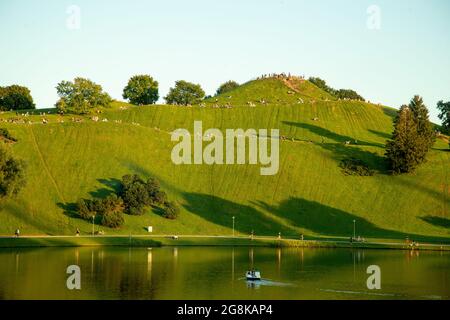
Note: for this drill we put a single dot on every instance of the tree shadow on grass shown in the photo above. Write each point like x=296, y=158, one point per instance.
x=330, y=134
x=340, y=150
x=373, y=160
x=69, y=209
x=112, y=186
x=221, y=212
x=383, y=135
x=328, y=221
x=390, y=112
x=437, y=221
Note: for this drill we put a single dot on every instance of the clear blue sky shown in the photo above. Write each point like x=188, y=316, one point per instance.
x=209, y=42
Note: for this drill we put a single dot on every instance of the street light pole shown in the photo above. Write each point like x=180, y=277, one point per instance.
x=354, y=229
x=93, y=224
x=233, y=226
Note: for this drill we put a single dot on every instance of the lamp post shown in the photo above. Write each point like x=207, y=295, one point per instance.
x=354, y=229
x=93, y=224
x=233, y=226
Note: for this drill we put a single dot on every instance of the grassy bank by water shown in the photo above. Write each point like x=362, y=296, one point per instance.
x=158, y=241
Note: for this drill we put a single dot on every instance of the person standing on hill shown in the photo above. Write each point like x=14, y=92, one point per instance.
x=17, y=233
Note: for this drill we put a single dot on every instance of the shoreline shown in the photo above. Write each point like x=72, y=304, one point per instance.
x=210, y=241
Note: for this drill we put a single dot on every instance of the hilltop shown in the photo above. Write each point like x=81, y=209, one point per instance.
x=74, y=157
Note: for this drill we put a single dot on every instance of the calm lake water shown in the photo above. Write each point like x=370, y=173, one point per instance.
x=217, y=273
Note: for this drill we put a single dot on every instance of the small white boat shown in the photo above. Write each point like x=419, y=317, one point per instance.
x=253, y=275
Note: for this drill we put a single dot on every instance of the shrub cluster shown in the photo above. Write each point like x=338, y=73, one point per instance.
x=134, y=197
x=138, y=194
x=108, y=211
x=12, y=173
x=355, y=167
x=4, y=133
x=338, y=93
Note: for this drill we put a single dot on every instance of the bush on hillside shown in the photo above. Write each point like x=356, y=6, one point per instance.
x=4, y=133
x=12, y=173
x=109, y=210
x=80, y=96
x=141, y=90
x=113, y=220
x=227, y=87
x=355, y=167
x=138, y=194
x=348, y=94
x=185, y=93
x=135, y=194
x=16, y=98
x=340, y=94
x=171, y=210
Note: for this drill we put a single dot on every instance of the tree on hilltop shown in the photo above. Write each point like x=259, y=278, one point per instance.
x=227, y=87
x=16, y=98
x=81, y=96
x=141, y=90
x=185, y=93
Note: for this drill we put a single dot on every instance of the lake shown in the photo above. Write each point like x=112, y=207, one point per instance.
x=218, y=273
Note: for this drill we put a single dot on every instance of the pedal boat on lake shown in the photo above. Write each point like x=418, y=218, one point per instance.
x=253, y=275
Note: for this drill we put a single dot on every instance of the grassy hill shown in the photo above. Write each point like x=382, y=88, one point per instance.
x=310, y=195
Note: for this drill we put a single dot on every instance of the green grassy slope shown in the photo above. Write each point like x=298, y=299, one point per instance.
x=309, y=195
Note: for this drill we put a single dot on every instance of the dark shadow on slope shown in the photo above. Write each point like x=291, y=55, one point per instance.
x=221, y=212
x=437, y=221
x=372, y=159
x=392, y=113
x=112, y=183
x=330, y=134
x=383, y=135
x=329, y=221
x=112, y=186
x=70, y=209
x=340, y=150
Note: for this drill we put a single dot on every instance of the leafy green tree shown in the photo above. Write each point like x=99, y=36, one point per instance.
x=348, y=94
x=16, y=98
x=85, y=209
x=159, y=197
x=12, y=173
x=227, y=87
x=109, y=211
x=141, y=90
x=134, y=194
x=425, y=131
x=318, y=82
x=185, y=93
x=81, y=96
x=403, y=151
x=171, y=210
x=444, y=114
x=113, y=220
x=340, y=94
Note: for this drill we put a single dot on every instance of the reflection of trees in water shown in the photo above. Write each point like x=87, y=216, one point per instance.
x=130, y=273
